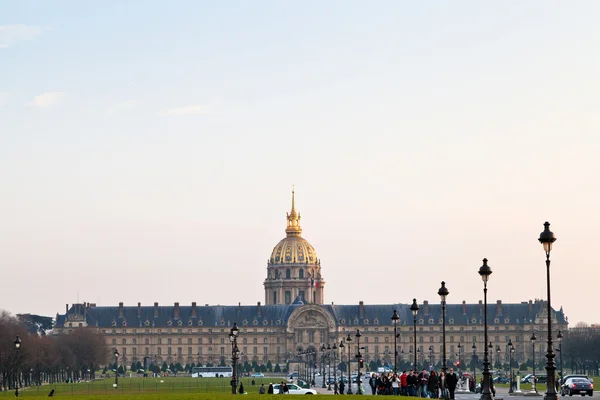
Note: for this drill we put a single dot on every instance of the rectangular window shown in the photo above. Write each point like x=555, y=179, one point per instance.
x=179, y=351
x=222, y=350
x=134, y=351
x=255, y=350
x=366, y=349
x=124, y=353
x=451, y=339
x=189, y=351
x=200, y=350
x=376, y=349
x=274, y=297
x=245, y=351
x=265, y=350
x=146, y=351
x=288, y=297
x=168, y=350
x=159, y=350
x=301, y=294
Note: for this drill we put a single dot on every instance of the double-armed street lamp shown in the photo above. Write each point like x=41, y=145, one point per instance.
x=414, y=308
x=511, y=351
x=443, y=293
x=533, y=385
x=235, y=356
x=349, y=340
x=395, y=318
x=546, y=239
x=486, y=394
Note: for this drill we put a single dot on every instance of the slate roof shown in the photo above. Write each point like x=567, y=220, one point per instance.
x=272, y=315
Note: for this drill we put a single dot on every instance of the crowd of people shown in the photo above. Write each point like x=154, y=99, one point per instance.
x=432, y=384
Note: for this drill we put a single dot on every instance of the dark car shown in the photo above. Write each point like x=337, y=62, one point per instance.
x=575, y=376
x=580, y=386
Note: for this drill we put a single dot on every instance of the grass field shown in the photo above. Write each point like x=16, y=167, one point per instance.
x=136, y=387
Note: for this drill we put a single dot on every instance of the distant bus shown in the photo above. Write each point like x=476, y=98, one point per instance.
x=212, y=372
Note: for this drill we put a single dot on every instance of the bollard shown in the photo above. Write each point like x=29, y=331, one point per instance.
x=518, y=384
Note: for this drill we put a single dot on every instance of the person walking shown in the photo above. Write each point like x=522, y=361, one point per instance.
x=342, y=386
x=433, y=385
x=443, y=385
x=451, y=381
x=372, y=383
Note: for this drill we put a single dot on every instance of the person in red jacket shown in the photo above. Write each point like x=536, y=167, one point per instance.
x=403, y=384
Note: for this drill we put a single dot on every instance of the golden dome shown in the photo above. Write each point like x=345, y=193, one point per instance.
x=293, y=249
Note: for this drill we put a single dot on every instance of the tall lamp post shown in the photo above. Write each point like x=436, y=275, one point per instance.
x=335, y=381
x=485, y=271
x=533, y=385
x=17, y=344
x=459, y=350
x=443, y=293
x=329, y=366
x=235, y=355
x=474, y=347
x=511, y=350
x=414, y=308
x=323, y=350
x=341, y=347
x=395, y=318
x=546, y=239
x=349, y=340
x=116, y=354
x=431, y=353
x=498, y=358
x=559, y=338
x=358, y=359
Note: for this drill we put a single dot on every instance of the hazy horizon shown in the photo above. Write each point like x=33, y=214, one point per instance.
x=148, y=151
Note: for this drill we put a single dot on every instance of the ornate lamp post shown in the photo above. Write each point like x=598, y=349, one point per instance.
x=329, y=367
x=358, y=358
x=395, y=318
x=498, y=357
x=533, y=385
x=323, y=350
x=341, y=347
x=334, y=348
x=559, y=338
x=414, y=308
x=443, y=293
x=349, y=340
x=116, y=354
x=474, y=347
x=17, y=344
x=511, y=350
x=235, y=355
x=459, y=350
x=485, y=271
x=546, y=239
x=431, y=353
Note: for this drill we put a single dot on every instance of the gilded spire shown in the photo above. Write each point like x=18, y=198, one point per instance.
x=293, y=219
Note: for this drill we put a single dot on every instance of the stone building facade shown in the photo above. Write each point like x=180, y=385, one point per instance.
x=295, y=317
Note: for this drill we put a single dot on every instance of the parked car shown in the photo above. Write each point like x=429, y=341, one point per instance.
x=258, y=375
x=575, y=376
x=501, y=379
x=580, y=386
x=293, y=389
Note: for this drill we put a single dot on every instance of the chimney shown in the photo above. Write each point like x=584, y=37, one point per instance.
x=361, y=309
x=121, y=310
x=425, y=307
x=84, y=310
x=155, y=310
x=139, y=310
x=480, y=308
x=176, y=311
x=464, y=304
x=194, y=311
x=259, y=309
x=67, y=308
x=498, y=307
x=530, y=307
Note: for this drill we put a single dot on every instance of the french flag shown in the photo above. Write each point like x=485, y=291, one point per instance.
x=313, y=283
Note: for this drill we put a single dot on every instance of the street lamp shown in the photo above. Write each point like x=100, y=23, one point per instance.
x=395, y=318
x=329, y=367
x=359, y=359
x=335, y=381
x=431, y=352
x=559, y=337
x=443, y=292
x=116, y=354
x=323, y=350
x=546, y=239
x=341, y=347
x=485, y=271
x=511, y=350
x=17, y=344
x=349, y=340
x=474, y=347
x=414, y=308
x=498, y=358
x=235, y=355
x=459, y=350
x=533, y=339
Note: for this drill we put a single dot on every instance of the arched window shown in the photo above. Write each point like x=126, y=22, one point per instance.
x=288, y=274
x=301, y=273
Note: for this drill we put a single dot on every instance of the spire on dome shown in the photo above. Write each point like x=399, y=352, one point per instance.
x=293, y=219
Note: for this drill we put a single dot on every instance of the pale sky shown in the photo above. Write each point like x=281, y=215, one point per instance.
x=148, y=149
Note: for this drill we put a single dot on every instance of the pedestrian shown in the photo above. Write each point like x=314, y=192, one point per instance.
x=253, y=382
x=372, y=384
x=261, y=389
x=241, y=388
x=433, y=385
x=451, y=380
x=443, y=385
x=342, y=386
x=270, y=389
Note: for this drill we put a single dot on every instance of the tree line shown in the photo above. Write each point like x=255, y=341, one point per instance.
x=46, y=358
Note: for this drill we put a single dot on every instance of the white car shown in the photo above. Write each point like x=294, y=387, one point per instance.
x=294, y=389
